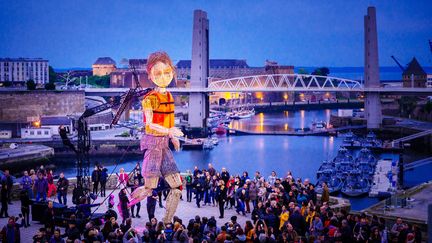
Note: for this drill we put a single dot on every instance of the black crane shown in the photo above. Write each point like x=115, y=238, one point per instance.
x=401, y=67
x=84, y=139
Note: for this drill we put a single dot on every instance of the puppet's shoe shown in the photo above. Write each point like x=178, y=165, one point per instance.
x=138, y=195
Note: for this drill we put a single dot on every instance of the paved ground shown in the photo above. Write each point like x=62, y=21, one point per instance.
x=185, y=211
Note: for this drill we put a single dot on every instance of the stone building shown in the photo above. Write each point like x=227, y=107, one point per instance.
x=414, y=75
x=19, y=109
x=20, y=70
x=103, y=66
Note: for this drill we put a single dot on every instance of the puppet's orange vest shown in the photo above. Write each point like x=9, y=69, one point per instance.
x=163, y=114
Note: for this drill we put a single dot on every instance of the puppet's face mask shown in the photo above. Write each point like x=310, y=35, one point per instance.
x=161, y=74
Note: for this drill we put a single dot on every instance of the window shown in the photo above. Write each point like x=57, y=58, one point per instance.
x=31, y=132
x=46, y=132
x=39, y=132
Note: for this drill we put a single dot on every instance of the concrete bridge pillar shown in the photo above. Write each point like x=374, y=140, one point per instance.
x=199, y=103
x=373, y=112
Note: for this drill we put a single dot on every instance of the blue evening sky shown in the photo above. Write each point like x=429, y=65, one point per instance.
x=301, y=33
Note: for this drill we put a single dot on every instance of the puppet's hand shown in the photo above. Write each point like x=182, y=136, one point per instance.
x=174, y=132
x=176, y=143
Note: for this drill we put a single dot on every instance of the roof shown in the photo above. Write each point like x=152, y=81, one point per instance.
x=55, y=120
x=217, y=63
x=104, y=61
x=414, y=68
x=22, y=59
x=137, y=62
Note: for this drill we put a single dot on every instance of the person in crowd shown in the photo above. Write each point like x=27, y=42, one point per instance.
x=48, y=217
x=11, y=232
x=33, y=177
x=211, y=170
x=26, y=183
x=56, y=238
x=62, y=189
x=123, y=179
x=95, y=178
x=189, y=186
x=151, y=204
x=221, y=197
x=325, y=197
x=123, y=205
x=138, y=205
x=25, y=207
x=198, y=186
x=4, y=201
x=41, y=185
x=40, y=236
x=272, y=178
x=7, y=183
x=103, y=180
x=52, y=189
x=225, y=176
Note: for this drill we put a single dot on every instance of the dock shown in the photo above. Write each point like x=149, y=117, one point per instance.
x=24, y=153
x=385, y=178
x=327, y=132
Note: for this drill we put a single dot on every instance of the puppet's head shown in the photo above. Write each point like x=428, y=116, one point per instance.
x=160, y=69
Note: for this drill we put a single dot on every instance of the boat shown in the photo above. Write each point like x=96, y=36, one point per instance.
x=243, y=114
x=193, y=144
x=355, y=185
x=319, y=126
x=208, y=144
x=220, y=130
x=333, y=182
x=214, y=140
x=341, y=155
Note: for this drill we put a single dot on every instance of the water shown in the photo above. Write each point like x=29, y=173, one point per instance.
x=265, y=153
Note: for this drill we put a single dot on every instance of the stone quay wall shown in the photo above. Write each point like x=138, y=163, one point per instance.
x=25, y=106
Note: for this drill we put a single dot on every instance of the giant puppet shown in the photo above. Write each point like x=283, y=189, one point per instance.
x=158, y=110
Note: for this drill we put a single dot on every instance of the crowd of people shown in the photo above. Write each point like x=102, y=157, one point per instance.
x=277, y=208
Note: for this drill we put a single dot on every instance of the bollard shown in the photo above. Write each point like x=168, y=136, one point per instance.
x=429, y=228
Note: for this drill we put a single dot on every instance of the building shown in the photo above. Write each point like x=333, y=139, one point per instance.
x=230, y=68
x=123, y=78
x=103, y=66
x=54, y=122
x=429, y=81
x=138, y=64
x=20, y=70
x=414, y=76
x=36, y=132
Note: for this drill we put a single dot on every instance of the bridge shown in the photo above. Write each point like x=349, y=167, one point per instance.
x=278, y=83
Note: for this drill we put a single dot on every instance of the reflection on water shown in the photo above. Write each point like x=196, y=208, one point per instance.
x=283, y=121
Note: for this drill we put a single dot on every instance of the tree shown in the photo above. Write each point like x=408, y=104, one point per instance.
x=31, y=85
x=7, y=83
x=50, y=86
x=322, y=71
x=302, y=71
x=100, y=81
x=52, y=75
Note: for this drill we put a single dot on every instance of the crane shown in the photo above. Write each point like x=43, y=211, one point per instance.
x=401, y=67
x=83, y=140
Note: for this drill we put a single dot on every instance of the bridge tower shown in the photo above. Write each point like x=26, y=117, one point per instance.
x=199, y=102
x=373, y=110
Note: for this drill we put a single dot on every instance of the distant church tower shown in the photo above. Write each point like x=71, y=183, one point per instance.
x=371, y=71
x=199, y=102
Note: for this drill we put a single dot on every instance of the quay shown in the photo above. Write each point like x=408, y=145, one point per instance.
x=25, y=153
x=411, y=205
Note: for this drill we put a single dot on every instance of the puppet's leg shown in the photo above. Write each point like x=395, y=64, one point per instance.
x=173, y=198
x=142, y=192
x=151, y=172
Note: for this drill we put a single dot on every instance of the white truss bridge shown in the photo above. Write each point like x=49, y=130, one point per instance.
x=278, y=83
x=284, y=82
